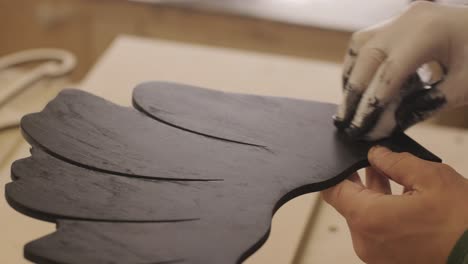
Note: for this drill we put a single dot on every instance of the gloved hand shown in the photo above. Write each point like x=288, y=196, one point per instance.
x=381, y=88
x=420, y=226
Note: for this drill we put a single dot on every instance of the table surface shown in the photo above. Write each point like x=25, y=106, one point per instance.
x=17, y=229
x=131, y=61
x=304, y=230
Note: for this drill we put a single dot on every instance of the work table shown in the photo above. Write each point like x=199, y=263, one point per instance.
x=305, y=230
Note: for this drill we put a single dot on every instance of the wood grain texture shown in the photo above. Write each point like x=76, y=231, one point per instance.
x=195, y=177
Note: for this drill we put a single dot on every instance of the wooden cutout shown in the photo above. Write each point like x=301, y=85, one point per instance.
x=196, y=178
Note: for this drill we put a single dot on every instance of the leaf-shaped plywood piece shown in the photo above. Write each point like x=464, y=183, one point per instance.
x=194, y=176
x=182, y=242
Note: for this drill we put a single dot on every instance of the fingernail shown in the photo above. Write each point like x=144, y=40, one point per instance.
x=373, y=148
x=378, y=150
x=339, y=123
x=354, y=132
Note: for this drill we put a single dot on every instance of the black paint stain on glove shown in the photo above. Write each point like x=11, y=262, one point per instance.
x=353, y=97
x=370, y=120
x=418, y=106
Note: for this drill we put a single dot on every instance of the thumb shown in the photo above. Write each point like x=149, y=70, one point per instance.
x=348, y=197
x=403, y=168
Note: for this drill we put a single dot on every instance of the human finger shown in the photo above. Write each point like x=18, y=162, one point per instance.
x=367, y=63
x=377, y=181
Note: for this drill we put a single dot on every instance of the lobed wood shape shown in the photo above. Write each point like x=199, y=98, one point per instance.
x=191, y=176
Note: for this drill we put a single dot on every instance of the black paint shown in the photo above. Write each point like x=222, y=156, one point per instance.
x=418, y=106
x=376, y=108
x=353, y=96
x=194, y=177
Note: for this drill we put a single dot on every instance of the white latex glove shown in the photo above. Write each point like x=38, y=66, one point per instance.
x=381, y=88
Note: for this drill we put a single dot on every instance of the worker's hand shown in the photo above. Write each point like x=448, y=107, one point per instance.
x=381, y=89
x=421, y=225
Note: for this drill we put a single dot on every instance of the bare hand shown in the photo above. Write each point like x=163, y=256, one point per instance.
x=421, y=225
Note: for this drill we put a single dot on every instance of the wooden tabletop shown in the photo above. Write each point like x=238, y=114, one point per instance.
x=304, y=230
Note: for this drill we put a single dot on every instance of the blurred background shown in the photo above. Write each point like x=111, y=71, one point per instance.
x=84, y=36
x=310, y=29
x=305, y=28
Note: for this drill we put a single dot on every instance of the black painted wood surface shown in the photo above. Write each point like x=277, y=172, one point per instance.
x=193, y=176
